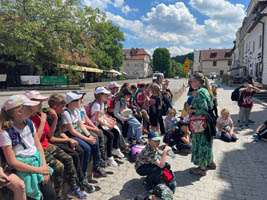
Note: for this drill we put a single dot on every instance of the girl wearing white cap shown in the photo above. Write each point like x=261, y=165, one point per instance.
x=106, y=124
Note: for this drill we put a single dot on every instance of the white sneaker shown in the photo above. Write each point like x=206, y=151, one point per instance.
x=112, y=162
x=117, y=152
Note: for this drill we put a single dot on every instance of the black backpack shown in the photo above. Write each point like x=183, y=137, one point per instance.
x=236, y=94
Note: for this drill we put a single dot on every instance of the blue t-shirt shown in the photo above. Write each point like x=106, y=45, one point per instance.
x=190, y=100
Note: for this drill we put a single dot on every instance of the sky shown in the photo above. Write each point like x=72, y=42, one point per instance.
x=179, y=25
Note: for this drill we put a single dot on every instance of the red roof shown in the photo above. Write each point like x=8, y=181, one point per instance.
x=136, y=54
x=216, y=54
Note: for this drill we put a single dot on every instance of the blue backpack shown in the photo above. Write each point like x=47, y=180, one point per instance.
x=15, y=137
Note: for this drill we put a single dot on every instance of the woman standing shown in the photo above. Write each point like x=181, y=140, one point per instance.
x=202, y=143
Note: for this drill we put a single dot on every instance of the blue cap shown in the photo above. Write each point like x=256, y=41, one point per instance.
x=154, y=135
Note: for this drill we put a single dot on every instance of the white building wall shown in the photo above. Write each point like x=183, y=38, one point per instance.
x=253, y=51
x=264, y=73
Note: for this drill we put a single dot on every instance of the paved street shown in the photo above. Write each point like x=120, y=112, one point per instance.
x=241, y=167
x=174, y=84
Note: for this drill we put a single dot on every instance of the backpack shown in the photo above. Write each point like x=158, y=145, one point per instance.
x=15, y=137
x=236, y=95
x=88, y=109
x=135, y=151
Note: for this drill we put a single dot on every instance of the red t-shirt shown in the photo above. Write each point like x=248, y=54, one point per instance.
x=247, y=101
x=44, y=139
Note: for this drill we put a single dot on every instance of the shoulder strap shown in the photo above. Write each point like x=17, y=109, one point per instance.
x=30, y=124
x=15, y=137
x=68, y=111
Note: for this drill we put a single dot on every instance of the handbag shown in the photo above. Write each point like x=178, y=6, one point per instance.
x=198, y=124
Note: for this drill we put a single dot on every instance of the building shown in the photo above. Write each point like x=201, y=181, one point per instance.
x=137, y=63
x=249, y=52
x=215, y=61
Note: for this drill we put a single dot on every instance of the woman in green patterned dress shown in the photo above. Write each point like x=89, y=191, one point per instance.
x=202, y=154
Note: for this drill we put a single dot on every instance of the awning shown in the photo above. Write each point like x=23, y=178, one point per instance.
x=236, y=68
x=113, y=71
x=80, y=68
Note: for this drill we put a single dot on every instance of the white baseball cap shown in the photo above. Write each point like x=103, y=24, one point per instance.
x=71, y=96
x=34, y=94
x=114, y=85
x=101, y=90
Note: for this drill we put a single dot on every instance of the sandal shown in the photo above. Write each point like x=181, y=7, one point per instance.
x=212, y=166
x=197, y=171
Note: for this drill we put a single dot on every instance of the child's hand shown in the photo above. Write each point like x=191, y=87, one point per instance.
x=167, y=149
x=73, y=143
x=46, y=179
x=91, y=140
x=53, y=113
x=44, y=170
x=111, y=126
x=4, y=177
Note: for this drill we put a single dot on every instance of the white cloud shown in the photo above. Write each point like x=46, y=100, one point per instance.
x=101, y=4
x=174, y=50
x=135, y=26
x=118, y=3
x=125, y=9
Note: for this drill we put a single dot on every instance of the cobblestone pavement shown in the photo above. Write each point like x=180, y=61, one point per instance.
x=241, y=167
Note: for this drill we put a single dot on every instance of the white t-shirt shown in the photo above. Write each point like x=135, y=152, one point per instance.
x=97, y=107
x=224, y=123
x=26, y=138
x=72, y=118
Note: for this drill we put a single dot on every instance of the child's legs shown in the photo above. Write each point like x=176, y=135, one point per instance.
x=102, y=144
x=226, y=137
x=234, y=138
x=58, y=169
x=96, y=155
x=110, y=138
x=116, y=138
x=151, y=172
x=77, y=157
x=145, y=115
x=161, y=124
x=69, y=168
x=87, y=153
x=48, y=191
x=136, y=127
x=242, y=115
x=247, y=114
x=17, y=186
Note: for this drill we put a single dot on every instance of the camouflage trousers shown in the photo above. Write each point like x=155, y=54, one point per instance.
x=101, y=139
x=63, y=166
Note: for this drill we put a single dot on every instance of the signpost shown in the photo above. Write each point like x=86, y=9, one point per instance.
x=186, y=65
x=54, y=80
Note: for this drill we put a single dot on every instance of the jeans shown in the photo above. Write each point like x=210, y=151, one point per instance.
x=227, y=138
x=135, y=128
x=244, y=115
x=88, y=148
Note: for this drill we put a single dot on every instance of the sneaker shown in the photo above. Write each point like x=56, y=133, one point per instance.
x=117, y=152
x=103, y=163
x=112, y=162
x=98, y=172
x=251, y=121
x=88, y=188
x=76, y=194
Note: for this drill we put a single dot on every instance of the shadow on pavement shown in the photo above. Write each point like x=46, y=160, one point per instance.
x=133, y=188
x=184, y=178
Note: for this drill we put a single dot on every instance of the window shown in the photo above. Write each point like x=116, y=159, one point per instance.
x=213, y=55
x=214, y=63
x=260, y=41
x=229, y=63
x=227, y=55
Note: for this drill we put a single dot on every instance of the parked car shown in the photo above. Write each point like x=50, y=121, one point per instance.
x=176, y=77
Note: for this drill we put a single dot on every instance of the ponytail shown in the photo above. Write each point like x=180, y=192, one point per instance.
x=207, y=85
x=6, y=122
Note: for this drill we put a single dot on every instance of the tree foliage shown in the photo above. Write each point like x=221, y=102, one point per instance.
x=182, y=58
x=42, y=32
x=162, y=61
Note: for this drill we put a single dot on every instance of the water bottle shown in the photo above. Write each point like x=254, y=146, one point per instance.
x=171, y=154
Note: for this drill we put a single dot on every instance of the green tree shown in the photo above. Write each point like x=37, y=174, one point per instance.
x=162, y=61
x=42, y=33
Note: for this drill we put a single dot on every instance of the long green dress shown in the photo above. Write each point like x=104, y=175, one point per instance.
x=201, y=148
